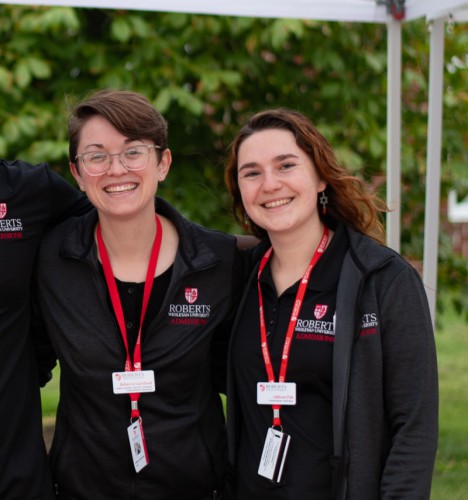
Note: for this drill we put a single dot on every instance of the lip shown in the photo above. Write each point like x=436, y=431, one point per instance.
x=120, y=188
x=277, y=203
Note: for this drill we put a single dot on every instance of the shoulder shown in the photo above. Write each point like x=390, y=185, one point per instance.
x=18, y=174
x=370, y=255
x=190, y=233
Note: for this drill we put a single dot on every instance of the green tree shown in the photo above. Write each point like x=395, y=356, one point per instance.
x=207, y=73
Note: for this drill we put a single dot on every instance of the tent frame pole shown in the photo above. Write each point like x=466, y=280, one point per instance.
x=393, y=132
x=434, y=141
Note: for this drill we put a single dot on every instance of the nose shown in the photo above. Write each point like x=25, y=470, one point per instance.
x=116, y=167
x=271, y=181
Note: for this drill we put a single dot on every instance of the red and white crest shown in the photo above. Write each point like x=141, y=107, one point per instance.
x=191, y=295
x=320, y=311
x=3, y=210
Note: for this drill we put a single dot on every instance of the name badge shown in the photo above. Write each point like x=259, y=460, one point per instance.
x=276, y=393
x=138, y=445
x=274, y=455
x=133, y=382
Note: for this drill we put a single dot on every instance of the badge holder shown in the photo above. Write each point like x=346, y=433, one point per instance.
x=137, y=441
x=274, y=454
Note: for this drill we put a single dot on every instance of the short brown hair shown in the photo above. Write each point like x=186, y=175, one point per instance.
x=130, y=113
x=348, y=199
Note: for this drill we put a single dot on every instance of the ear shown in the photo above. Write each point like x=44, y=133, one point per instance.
x=322, y=185
x=164, y=165
x=76, y=175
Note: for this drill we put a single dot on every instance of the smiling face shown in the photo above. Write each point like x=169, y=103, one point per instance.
x=119, y=192
x=278, y=183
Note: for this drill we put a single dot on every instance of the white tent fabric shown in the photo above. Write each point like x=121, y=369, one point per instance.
x=375, y=11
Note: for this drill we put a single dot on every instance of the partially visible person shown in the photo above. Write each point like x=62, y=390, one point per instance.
x=332, y=390
x=138, y=303
x=32, y=198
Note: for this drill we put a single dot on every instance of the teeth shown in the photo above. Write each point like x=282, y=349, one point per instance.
x=120, y=189
x=278, y=203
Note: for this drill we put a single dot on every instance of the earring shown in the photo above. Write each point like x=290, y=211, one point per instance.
x=81, y=187
x=246, y=220
x=323, y=201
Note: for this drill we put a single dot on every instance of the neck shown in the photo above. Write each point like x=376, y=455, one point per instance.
x=292, y=255
x=128, y=245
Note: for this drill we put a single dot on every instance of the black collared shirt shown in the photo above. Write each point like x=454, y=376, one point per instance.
x=131, y=298
x=307, y=472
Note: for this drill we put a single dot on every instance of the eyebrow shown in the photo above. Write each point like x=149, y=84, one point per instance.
x=277, y=158
x=101, y=146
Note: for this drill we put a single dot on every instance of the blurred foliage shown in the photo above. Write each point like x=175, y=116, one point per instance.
x=205, y=74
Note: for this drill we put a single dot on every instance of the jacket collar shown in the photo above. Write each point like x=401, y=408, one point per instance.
x=194, y=241
x=367, y=253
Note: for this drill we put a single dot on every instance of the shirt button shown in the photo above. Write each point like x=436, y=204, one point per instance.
x=268, y=333
x=129, y=325
x=272, y=322
x=131, y=290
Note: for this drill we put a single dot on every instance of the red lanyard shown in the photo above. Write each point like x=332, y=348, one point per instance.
x=292, y=322
x=117, y=305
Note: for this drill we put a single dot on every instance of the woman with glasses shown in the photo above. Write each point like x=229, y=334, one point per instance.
x=137, y=302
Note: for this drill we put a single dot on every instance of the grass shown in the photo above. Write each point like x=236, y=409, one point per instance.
x=451, y=469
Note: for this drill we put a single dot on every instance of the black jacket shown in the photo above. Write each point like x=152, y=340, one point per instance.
x=385, y=389
x=31, y=199
x=185, y=345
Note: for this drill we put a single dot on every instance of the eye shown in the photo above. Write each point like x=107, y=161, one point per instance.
x=95, y=157
x=250, y=174
x=287, y=165
x=133, y=152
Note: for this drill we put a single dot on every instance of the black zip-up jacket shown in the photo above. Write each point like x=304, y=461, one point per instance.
x=385, y=388
x=32, y=197
x=185, y=345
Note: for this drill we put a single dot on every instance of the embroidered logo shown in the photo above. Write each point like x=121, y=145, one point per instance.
x=369, y=324
x=191, y=295
x=10, y=229
x=320, y=311
x=191, y=313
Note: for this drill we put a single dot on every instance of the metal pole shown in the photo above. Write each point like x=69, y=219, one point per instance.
x=434, y=140
x=393, y=132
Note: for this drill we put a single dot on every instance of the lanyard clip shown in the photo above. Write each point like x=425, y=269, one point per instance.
x=277, y=419
x=135, y=412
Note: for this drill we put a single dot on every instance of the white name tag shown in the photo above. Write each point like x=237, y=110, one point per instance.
x=274, y=455
x=276, y=393
x=138, y=445
x=132, y=382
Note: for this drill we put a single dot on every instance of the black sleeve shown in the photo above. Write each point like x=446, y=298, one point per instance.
x=46, y=358
x=222, y=335
x=65, y=200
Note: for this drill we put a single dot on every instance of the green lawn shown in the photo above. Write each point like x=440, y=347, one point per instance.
x=451, y=470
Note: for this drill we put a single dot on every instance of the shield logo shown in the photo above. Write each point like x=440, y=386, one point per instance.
x=3, y=210
x=191, y=295
x=320, y=311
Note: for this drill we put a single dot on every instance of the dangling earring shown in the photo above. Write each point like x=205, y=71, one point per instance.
x=323, y=201
x=246, y=221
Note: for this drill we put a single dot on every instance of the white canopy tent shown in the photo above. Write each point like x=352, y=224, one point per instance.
x=375, y=11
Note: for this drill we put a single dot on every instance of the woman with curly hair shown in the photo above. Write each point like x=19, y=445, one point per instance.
x=332, y=390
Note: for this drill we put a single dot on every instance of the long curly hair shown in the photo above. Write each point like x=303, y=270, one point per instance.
x=349, y=200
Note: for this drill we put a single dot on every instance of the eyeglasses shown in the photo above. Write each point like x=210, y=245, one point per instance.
x=98, y=162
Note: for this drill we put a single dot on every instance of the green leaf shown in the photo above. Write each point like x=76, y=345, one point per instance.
x=6, y=79
x=121, y=30
x=22, y=74
x=39, y=68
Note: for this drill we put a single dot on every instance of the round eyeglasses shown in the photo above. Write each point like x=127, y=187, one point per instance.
x=98, y=162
